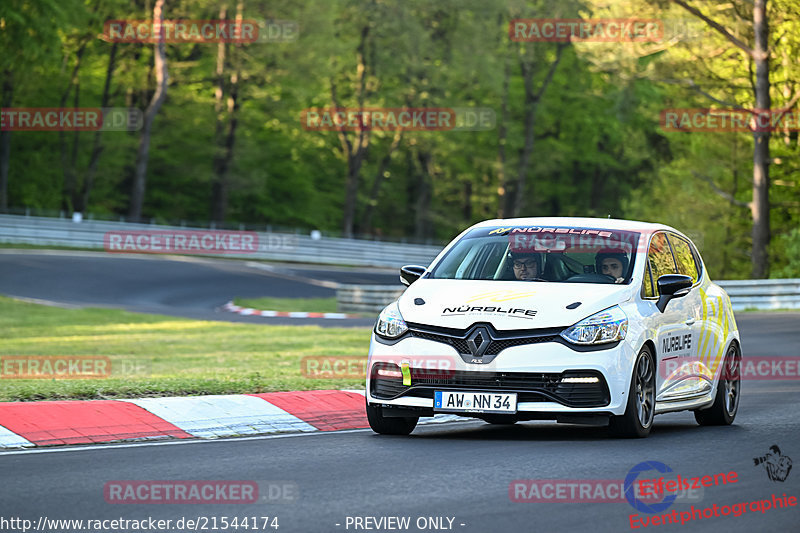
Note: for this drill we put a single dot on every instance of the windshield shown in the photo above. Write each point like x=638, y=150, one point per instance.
x=542, y=254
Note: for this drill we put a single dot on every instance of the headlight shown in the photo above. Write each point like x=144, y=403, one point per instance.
x=390, y=322
x=606, y=326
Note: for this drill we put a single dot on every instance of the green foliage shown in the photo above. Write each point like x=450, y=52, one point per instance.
x=598, y=149
x=788, y=248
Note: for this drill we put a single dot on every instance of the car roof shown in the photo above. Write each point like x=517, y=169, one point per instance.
x=582, y=222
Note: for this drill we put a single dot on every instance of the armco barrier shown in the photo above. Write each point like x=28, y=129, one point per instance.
x=274, y=246
x=278, y=246
x=745, y=294
x=763, y=293
x=366, y=298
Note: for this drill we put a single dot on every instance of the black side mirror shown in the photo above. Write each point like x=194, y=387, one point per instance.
x=411, y=273
x=672, y=286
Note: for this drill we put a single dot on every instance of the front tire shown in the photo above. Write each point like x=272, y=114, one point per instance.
x=386, y=425
x=726, y=402
x=640, y=409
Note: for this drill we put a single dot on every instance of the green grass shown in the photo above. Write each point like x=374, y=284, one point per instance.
x=155, y=355
x=311, y=305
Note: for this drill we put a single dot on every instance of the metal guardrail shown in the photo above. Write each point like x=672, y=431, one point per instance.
x=366, y=298
x=763, y=294
x=282, y=246
x=760, y=294
x=274, y=246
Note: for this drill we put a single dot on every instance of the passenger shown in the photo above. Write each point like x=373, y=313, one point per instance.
x=612, y=263
x=527, y=267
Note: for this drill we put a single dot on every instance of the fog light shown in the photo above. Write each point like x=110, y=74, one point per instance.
x=581, y=380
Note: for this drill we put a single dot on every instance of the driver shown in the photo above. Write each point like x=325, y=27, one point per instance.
x=527, y=267
x=612, y=263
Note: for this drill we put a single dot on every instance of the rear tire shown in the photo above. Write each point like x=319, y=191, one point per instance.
x=389, y=425
x=640, y=409
x=726, y=402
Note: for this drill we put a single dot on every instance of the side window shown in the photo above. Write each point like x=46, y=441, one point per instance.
x=480, y=263
x=683, y=257
x=659, y=256
x=494, y=256
x=648, y=283
x=698, y=261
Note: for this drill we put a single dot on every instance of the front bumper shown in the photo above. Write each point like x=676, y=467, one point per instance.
x=550, y=378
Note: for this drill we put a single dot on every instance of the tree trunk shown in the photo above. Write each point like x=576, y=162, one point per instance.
x=760, y=205
x=355, y=154
x=75, y=196
x=220, y=192
x=423, y=193
x=69, y=186
x=531, y=104
x=504, y=192
x=160, y=94
x=789, y=133
x=366, y=221
x=218, y=185
x=530, y=136
x=351, y=194
x=468, y=201
x=6, y=98
x=97, y=147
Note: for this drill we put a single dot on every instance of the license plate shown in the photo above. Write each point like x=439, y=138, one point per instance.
x=474, y=402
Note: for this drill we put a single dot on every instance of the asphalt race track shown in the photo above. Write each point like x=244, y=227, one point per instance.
x=459, y=470
x=177, y=286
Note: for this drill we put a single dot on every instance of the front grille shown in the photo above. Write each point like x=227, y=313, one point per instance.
x=530, y=386
x=497, y=346
x=459, y=344
x=499, y=340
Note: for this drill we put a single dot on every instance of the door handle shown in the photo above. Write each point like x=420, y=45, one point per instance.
x=690, y=321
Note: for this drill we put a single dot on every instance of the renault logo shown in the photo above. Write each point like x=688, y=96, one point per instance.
x=478, y=341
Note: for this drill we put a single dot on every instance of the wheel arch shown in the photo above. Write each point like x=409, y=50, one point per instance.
x=651, y=345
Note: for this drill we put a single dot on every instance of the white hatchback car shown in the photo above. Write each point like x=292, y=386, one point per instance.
x=580, y=320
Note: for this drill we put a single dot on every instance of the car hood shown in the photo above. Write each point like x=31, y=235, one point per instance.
x=506, y=305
